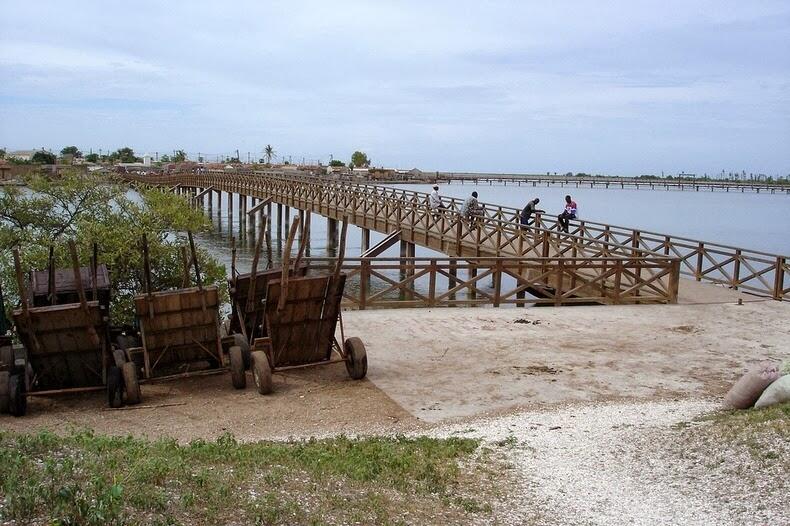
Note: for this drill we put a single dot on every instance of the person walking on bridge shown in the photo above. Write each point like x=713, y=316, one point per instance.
x=567, y=214
x=435, y=201
x=471, y=209
x=528, y=210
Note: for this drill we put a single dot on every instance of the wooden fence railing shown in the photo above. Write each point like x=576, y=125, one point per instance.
x=445, y=282
x=384, y=208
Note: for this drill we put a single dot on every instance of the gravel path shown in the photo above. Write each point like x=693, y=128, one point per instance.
x=628, y=463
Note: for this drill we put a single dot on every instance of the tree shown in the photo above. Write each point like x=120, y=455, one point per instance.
x=124, y=155
x=268, y=153
x=180, y=156
x=2, y=153
x=164, y=158
x=92, y=157
x=76, y=207
x=43, y=157
x=335, y=162
x=360, y=159
x=73, y=150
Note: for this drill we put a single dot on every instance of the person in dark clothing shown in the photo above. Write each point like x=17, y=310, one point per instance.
x=530, y=209
x=567, y=214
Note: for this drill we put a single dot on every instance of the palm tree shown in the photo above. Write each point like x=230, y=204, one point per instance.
x=268, y=152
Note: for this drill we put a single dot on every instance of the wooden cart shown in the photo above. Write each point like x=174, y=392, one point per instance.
x=301, y=315
x=179, y=328
x=66, y=349
x=248, y=291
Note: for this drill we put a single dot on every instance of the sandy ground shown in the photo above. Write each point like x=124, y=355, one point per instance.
x=450, y=363
x=430, y=366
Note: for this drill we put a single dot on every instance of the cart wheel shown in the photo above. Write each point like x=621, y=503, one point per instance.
x=114, y=387
x=132, y=385
x=237, y=368
x=6, y=358
x=261, y=372
x=356, y=358
x=17, y=401
x=240, y=341
x=4, y=393
x=119, y=356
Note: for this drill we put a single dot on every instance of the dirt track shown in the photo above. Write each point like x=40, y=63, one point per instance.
x=428, y=366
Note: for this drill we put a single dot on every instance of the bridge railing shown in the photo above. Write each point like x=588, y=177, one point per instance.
x=755, y=272
x=448, y=282
x=752, y=271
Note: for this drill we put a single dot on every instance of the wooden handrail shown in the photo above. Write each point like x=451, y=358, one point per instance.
x=381, y=207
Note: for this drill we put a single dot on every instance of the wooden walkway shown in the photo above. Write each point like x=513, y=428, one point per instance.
x=498, y=234
x=562, y=181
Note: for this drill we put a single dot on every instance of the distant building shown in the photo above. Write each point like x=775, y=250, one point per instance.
x=147, y=159
x=21, y=155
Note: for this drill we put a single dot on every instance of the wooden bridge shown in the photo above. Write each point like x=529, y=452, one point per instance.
x=563, y=268
x=689, y=184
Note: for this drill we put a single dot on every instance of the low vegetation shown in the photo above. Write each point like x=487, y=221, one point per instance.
x=87, y=479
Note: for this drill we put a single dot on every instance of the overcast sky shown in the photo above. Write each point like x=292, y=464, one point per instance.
x=605, y=87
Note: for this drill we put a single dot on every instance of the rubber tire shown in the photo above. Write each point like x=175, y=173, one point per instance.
x=261, y=372
x=5, y=376
x=240, y=341
x=237, y=375
x=356, y=358
x=131, y=383
x=17, y=401
x=119, y=356
x=114, y=387
x=6, y=358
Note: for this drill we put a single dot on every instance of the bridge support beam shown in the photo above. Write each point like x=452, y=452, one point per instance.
x=230, y=211
x=365, y=240
x=279, y=221
x=331, y=233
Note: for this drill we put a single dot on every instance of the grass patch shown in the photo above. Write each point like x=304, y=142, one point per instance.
x=738, y=418
x=762, y=432
x=88, y=479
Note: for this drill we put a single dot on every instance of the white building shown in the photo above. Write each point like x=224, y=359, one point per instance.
x=21, y=155
x=147, y=159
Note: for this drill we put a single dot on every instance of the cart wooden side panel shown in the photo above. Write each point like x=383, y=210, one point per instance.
x=66, y=344
x=303, y=331
x=240, y=291
x=66, y=288
x=184, y=326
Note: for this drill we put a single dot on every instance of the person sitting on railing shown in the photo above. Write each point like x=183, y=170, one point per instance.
x=528, y=210
x=435, y=201
x=568, y=214
x=471, y=209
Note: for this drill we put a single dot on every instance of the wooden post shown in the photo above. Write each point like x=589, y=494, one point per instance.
x=498, y=283
x=779, y=278
x=432, y=284
x=364, y=283
x=279, y=221
x=331, y=233
x=674, y=281
x=558, y=285
x=698, y=269
x=365, y=239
